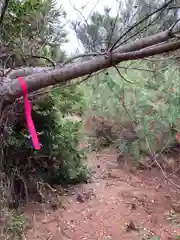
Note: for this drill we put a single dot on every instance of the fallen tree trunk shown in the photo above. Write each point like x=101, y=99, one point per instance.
x=38, y=78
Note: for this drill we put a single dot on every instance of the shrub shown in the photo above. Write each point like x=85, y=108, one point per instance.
x=59, y=161
x=145, y=108
x=16, y=225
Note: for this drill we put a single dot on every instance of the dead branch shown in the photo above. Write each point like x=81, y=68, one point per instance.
x=136, y=45
x=139, y=22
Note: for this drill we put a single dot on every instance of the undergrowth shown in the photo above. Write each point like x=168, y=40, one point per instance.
x=16, y=225
x=128, y=114
x=137, y=117
x=13, y=224
x=26, y=172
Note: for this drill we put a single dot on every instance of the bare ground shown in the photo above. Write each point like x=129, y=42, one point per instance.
x=119, y=203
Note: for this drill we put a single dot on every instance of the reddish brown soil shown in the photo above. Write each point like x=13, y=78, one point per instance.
x=117, y=196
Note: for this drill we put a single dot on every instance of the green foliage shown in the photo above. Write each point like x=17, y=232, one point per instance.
x=16, y=225
x=69, y=100
x=37, y=28
x=104, y=30
x=32, y=27
x=147, y=109
x=59, y=161
x=101, y=31
x=63, y=149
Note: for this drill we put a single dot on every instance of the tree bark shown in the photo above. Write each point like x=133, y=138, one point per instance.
x=38, y=78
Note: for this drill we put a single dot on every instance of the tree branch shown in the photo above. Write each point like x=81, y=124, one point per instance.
x=38, y=78
x=139, y=22
x=11, y=91
x=145, y=42
x=25, y=71
x=129, y=47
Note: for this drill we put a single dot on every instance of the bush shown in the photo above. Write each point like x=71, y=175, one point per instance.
x=16, y=225
x=69, y=100
x=59, y=161
x=146, y=107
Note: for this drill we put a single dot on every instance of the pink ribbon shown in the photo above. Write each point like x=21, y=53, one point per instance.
x=27, y=108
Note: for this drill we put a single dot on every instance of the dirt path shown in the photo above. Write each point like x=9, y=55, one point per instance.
x=108, y=207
